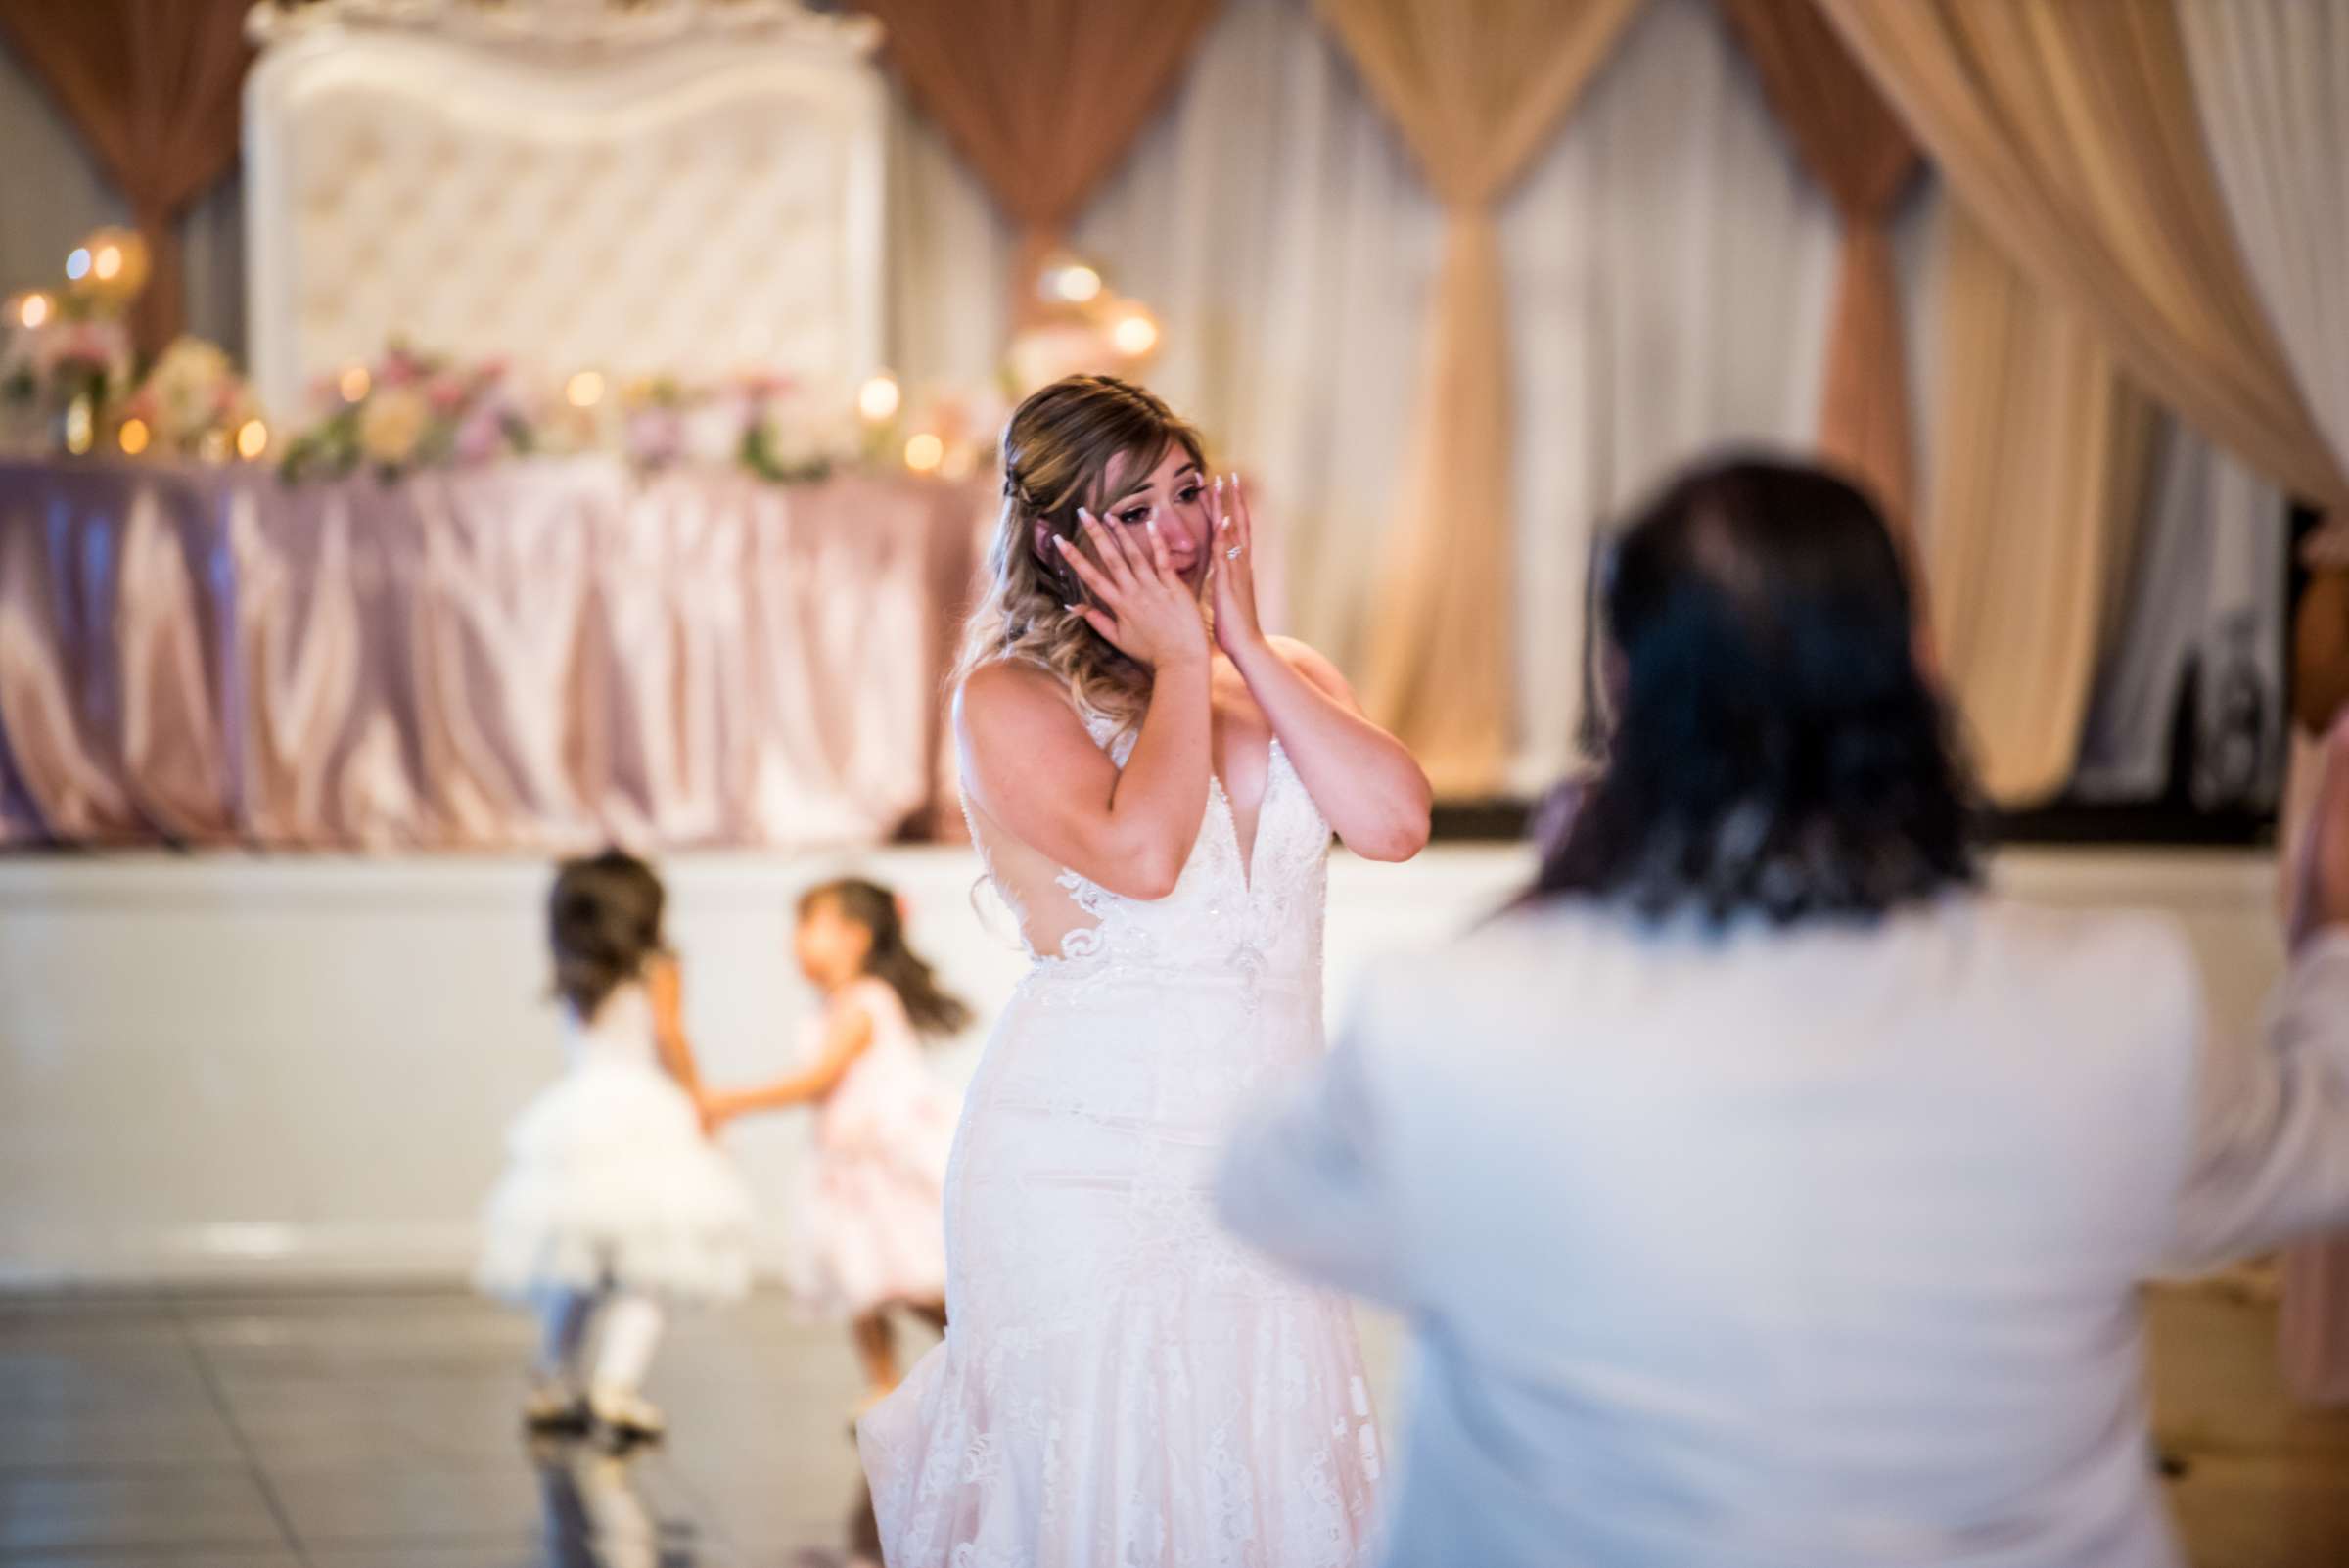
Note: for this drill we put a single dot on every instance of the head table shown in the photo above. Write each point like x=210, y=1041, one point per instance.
x=529, y=656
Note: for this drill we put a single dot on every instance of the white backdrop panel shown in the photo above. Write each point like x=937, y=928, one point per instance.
x=687, y=206
x=246, y=1069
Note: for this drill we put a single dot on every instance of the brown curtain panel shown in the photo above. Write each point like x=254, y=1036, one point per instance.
x=1856, y=148
x=2040, y=454
x=1475, y=86
x=2071, y=131
x=152, y=85
x=1041, y=97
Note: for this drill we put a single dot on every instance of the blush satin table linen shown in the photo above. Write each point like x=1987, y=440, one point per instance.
x=527, y=655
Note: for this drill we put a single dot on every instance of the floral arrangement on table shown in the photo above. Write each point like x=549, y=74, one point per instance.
x=192, y=404
x=67, y=383
x=411, y=409
x=778, y=428
x=65, y=352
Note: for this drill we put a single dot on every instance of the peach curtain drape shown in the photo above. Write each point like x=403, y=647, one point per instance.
x=1474, y=87
x=1041, y=97
x=2023, y=554
x=1856, y=147
x=152, y=86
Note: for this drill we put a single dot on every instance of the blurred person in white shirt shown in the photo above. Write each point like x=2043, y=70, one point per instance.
x=1761, y=1190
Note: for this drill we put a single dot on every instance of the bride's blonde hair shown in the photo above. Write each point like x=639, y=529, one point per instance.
x=1057, y=449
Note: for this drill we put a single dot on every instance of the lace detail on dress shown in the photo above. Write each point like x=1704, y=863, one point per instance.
x=1124, y=1384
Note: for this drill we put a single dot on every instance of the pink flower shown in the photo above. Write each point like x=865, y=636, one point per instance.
x=762, y=385
x=654, y=435
x=483, y=433
x=399, y=368
x=448, y=393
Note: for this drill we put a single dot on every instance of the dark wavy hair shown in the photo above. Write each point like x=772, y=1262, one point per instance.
x=932, y=1008
x=1778, y=750
x=604, y=924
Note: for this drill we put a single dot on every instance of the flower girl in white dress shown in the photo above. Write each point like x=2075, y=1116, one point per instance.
x=1122, y=1383
x=614, y=1201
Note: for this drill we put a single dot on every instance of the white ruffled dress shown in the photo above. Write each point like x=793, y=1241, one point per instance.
x=611, y=1183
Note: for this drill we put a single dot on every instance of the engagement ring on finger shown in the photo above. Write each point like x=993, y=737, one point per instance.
x=1233, y=554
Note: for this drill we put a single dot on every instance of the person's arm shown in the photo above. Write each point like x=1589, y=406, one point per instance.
x=1307, y=1184
x=2272, y=1158
x=846, y=1037
x=1366, y=784
x=664, y=986
x=1031, y=766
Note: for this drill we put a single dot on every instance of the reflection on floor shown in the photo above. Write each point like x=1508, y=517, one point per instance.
x=378, y=1431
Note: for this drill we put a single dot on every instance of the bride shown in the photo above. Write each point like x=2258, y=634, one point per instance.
x=1122, y=1382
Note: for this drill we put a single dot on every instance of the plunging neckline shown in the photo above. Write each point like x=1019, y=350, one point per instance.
x=1245, y=854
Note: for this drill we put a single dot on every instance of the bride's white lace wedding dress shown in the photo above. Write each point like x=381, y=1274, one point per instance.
x=1123, y=1385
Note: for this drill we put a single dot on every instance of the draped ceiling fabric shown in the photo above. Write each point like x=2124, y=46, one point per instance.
x=1852, y=142
x=525, y=655
x=2025, y=555
x=2272, y=82
x=2072, y=133
x=152, y=86
x=1042, y=97
x=1475, y=89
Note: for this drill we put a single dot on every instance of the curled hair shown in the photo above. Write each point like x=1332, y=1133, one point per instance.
x=603, y=923
x=1778, y=751
x=933, y=1009
x=1057, y=450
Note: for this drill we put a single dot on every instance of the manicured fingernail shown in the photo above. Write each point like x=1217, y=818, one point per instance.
x=1063, y=543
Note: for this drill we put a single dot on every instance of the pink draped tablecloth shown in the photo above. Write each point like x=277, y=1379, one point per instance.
x=535, y=656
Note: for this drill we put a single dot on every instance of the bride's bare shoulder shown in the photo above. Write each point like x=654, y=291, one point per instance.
x=1012, y=699
x=1313, y=665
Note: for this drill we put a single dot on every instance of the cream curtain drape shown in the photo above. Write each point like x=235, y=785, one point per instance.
x=1475, y=89
x=2072, y=133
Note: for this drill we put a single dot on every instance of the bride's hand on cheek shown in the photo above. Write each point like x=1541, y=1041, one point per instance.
x=1232, y=567
x=1142, y=605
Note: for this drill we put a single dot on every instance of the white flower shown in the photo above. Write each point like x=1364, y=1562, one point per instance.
x=192, y=385
x=712, y=428
x=393, y=424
